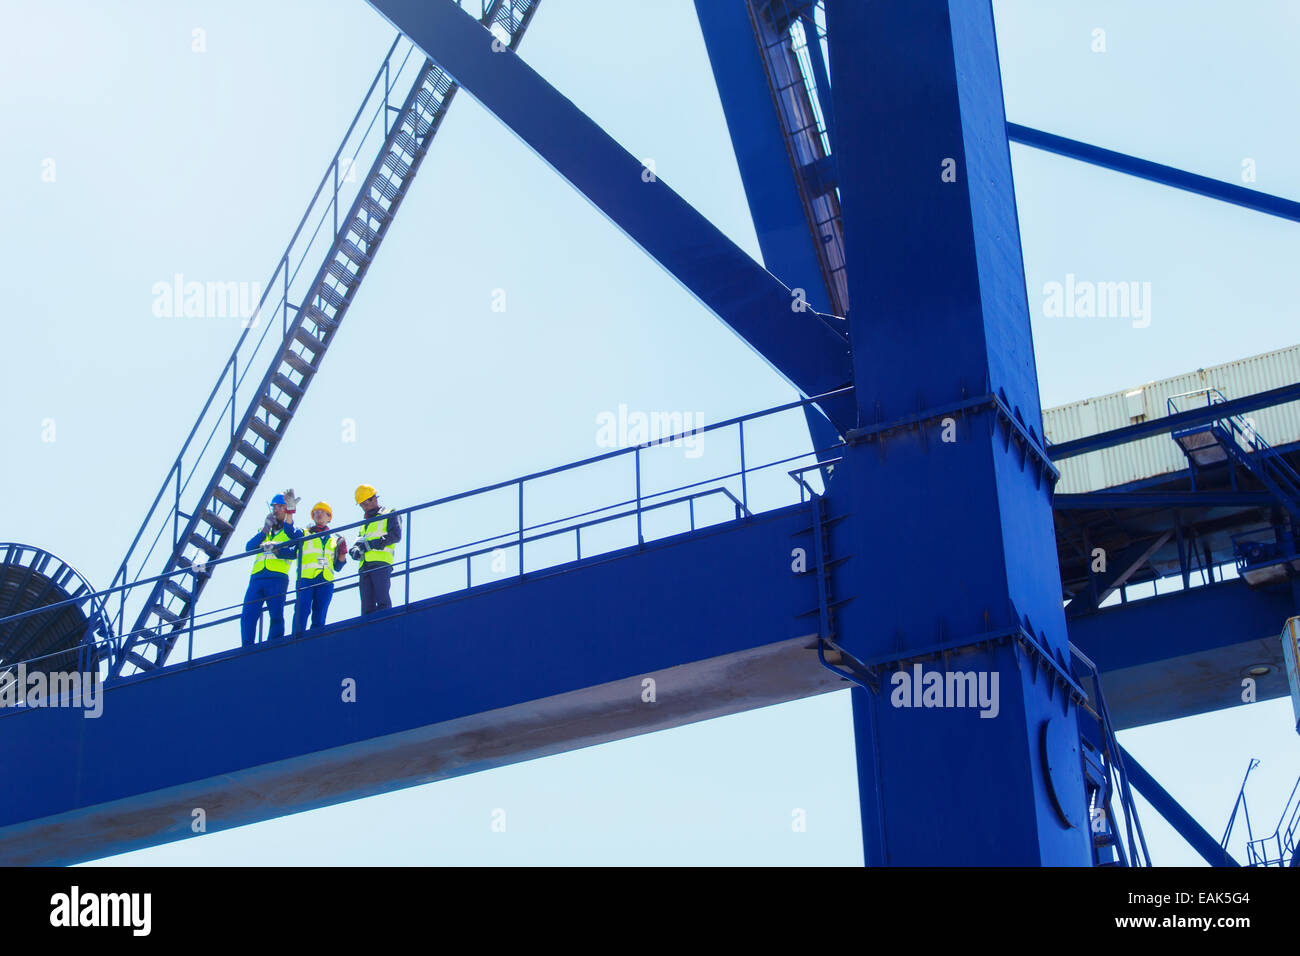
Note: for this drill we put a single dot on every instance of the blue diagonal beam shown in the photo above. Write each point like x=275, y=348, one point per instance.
x=1173, y=812
x=1164, y=803
x=1156, y=172
x=771, y=183
x=807, y=349
x=1122, y=567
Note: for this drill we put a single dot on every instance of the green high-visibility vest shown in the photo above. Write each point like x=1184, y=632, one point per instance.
x=373, y=530
x=317, y=557
x=271, y=561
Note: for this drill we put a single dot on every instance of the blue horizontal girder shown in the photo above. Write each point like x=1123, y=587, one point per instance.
x=476, y=680
x=1185, y=653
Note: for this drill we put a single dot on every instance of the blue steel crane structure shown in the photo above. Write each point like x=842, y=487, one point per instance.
x=899, y=315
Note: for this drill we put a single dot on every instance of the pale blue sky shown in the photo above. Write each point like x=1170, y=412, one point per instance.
x=172, y=161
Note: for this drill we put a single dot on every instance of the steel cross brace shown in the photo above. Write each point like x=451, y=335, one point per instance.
x=808, y=349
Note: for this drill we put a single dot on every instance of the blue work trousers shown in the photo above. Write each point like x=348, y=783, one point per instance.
x=264, y=587
x=313, y=598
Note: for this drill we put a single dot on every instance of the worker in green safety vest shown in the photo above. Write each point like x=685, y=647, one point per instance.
x=320, y=557
x=375, y=549
x=276, y=544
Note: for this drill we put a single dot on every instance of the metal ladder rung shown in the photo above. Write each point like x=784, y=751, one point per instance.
x=177, y=590
x=284, y=384
x=216, y=521
x=363, y=230
x=296, y=361
x=203, y=544
x=281, y=413
x=353, y=252
x=381, y=184
x=438, y=81
x=240, y=476
x=140, y=661
x=258, y=458
x=399, y=166
x=313, y=342
x=264, y=429
x=428, y=100
x=371, y=207
x=341, y=272
x=231, y=501
x=330, y=296
x=406, y=143
x=417, y=124
x=320, y=319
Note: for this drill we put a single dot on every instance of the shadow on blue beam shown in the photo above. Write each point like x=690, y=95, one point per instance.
x=449, y=686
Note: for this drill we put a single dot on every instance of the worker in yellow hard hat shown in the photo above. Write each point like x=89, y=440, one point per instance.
x=320, y=557
x=375, y=550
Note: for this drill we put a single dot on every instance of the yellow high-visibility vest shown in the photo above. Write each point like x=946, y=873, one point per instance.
x=272, y=562
x=374, y=530
x=318, y=557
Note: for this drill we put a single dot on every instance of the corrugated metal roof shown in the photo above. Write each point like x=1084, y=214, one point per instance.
x=1160, y=455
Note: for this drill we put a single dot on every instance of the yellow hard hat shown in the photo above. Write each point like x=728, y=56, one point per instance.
x=323, y=506
x=364, y=492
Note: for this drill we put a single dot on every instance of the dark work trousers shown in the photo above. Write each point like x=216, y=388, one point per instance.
x=375, y=579
x=313, y=598
x=269, y=587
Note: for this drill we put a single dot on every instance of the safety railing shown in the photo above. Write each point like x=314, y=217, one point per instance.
x=1240, y=805
x=1279, y=847
x=1241, y=430
x=545, y=530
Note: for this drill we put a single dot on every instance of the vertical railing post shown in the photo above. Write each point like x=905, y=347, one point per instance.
x=521, y=527
x=176, y=511
x=121, y=599
x=744, y=488
x=637, y=457
x=284, y=305
x=234, y=383
x=410, y=520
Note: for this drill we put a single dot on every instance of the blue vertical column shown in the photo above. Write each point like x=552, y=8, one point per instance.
x=968, y=747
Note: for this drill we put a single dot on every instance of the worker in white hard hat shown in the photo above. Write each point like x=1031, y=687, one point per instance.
x=375, y=550
x=321, y=555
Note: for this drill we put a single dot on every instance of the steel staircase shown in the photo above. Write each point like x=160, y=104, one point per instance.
x=1233, y=439
x=1105, y=778
x=789, y=38
x=1267, y=555
x=203, y=533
